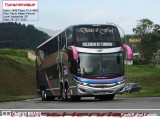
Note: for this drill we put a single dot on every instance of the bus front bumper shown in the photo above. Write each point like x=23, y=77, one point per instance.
x=100, y=89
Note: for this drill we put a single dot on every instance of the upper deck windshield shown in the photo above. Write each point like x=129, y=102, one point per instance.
x=100, y=65
x=107, y=33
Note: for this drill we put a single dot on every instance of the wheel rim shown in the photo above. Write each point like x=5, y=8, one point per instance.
x=68, y=93
x=43, y=94
x=63, y=93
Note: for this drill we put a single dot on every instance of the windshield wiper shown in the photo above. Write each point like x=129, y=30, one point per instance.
x=113, y=74
x=89, y=76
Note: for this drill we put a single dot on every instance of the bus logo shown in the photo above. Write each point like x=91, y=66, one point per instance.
x=99, y=50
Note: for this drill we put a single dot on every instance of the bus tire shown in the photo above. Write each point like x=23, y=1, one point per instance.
x=43, y=95
x=63, y=93
x=70, y=97
x=66, y=96
x=67, y=92
x=107, y=97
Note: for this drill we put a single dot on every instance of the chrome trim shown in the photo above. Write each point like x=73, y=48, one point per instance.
x=99, y=91
x=87, y=86
x=72, y=86
x=53, y=89
x=103, y=84
x=96, y=50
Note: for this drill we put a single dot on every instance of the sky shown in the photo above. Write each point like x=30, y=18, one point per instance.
x=58, y=14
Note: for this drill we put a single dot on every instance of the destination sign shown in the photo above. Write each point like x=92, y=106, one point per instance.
x=94, y=44
x=100, y=30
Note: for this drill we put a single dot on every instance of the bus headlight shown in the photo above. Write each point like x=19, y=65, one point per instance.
x=82, y=83
x=121, y=82
x=85, y=84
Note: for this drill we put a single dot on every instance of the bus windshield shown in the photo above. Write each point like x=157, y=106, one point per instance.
x=100, y=65
x=97, y=33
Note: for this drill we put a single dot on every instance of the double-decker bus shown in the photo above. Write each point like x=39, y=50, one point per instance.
x=82, y=61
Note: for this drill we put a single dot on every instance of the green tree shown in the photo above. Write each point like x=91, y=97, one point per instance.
x=17, y=35
x=150, y=35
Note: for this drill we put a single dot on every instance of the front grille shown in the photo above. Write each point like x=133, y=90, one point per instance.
x=102, y=85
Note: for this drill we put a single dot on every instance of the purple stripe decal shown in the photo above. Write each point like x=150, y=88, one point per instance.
x=100, y=81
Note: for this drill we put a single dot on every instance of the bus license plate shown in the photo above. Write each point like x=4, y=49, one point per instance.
x=104, y=92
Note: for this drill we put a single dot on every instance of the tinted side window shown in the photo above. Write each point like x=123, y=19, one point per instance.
x=50, y=47
x=54, y=44
x=63, y=39
x=69, y=35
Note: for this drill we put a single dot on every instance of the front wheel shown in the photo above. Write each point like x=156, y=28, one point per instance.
x=70, y=97
x=63, y=95
x=67, y=96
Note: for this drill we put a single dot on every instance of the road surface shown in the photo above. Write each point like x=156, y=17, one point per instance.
x=85, y=103
x=146, y=105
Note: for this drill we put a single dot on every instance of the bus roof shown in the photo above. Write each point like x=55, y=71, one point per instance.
x=60, y=31
x=50, y=38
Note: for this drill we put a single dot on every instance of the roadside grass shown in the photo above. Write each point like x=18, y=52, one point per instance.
x=147, y=76
x=17, y=75
x=14, y=52
x=15, y=98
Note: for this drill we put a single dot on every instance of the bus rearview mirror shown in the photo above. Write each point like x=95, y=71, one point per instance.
x=129, y=52
x=74, y=52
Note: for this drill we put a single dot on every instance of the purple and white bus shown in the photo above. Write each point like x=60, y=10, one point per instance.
x=82, y=61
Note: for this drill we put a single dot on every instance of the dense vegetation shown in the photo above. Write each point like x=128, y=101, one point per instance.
x=17, y=75
x=149, y=33
x=147, y=76
x=17, y=35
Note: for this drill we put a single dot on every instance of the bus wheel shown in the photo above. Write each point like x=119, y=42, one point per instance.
x=63, y=93
x=69, y=97
x=43, y=95
x=68, y=94
x=107, y=97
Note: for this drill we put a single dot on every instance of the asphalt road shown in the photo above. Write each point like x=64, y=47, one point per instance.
x=85, y=103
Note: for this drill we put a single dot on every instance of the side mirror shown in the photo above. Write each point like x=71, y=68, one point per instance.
x=129, y=52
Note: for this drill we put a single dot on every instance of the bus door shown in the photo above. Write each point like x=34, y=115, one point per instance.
x=60, y=61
